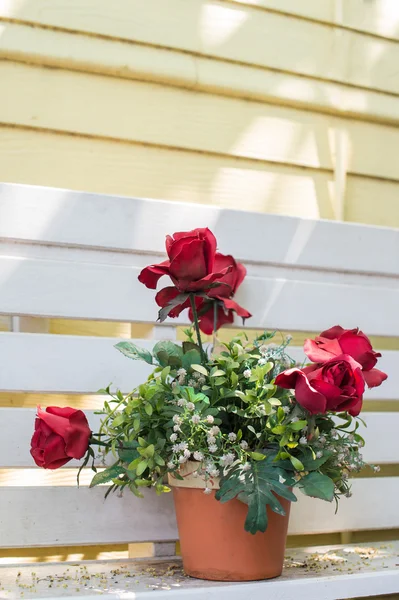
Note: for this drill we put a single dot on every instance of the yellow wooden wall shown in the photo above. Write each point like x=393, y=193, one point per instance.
x=281, y=106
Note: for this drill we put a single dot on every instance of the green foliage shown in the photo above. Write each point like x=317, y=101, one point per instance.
x=132, y=351
x=168, y=353
x=258, y=487
x=318, y=486
x=107, y=475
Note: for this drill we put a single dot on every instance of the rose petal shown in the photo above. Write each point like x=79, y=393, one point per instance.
x=232, y=305
x=305, y=394
x=321, y=349
x=150, y=275
x=374, y=378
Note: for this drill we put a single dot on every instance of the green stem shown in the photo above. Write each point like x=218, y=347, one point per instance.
x=197, y=329
x=215, y=322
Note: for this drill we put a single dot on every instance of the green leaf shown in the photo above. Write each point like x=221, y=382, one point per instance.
x=257, y=456
x=118, y=420
x=132, y=351
x=192, y=357
x=128, y=452
x=168, y=353
x=297, y=464
x=148, y=409
x=141, y=467
x=297, y=425
x=218, y=373
x=199, y=369
x=188, y=346
x=311, y=464
x=164, y=312
x=318, y=486
x=107, y=475
x=257, y=487
x=165, y=373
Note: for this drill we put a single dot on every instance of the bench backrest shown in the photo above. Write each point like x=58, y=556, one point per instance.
x=73, y=255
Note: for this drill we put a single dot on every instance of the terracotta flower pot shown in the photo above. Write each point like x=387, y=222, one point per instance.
x=214, y=544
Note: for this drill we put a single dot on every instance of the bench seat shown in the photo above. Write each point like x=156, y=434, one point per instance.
x=313, y=573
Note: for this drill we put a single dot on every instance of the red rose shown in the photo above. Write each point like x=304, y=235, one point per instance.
x=60, y=435
x=226, y=307
x=336, y=341
x=335, y=386
x=191, y=262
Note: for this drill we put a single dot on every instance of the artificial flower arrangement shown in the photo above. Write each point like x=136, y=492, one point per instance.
x=238, y=424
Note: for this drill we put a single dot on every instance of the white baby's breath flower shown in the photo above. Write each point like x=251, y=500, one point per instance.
x=351, y=438
x=261, y=362
x=232, y=437
x=201, y=380
x=212, y=448
x=187, y=453
x=176, y=428
x=227, y=459
x=210, y=419
x=246, y=467
x=214, y=430
x=319, y=454
x=176, y=447
x=170, y=465
x=322, y=439
x=294, y=419
x=207, y=490
x=176, y=419
x=244, y=444
x=303, y=440
x=286, y=409
x=183, y=445
x=247, y=373
x=174, y=384
x=181, y=372
x=190, y=405
x=334, y=433
x=196, y=375
x=192, y=383
x=214, y=472
x=181, y=380
x=263, y=349
x=173, y=437
x=361, y=444
x=182, y=459
x=377, y=469
x=195, y=419
x=195, y=474
x=211, y=439
x=198, y=455
x=209, y=466
x=181, y=402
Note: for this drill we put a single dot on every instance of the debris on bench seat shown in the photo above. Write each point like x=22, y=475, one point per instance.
x=334, y=572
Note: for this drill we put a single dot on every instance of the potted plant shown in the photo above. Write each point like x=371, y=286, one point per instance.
x=233, y=429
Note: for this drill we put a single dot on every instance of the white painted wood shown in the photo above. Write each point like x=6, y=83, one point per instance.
x=15, y=441
x=340, y=577
x=53, y=363
x=63, y=516
x=28, y=518
x=73, y=218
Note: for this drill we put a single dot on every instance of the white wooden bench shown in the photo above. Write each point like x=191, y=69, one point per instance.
x=74, y=255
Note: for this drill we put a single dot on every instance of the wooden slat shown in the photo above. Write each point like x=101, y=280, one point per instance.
x=73, y=218
x=193, y=121
x=228, y=31
x=36, y=523
x=77, y=516
x=78, y=289
x=134, y=61
x=108, y=167
x=339, y=572
x=14, y=450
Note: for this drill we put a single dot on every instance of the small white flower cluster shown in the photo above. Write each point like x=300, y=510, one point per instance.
x=227, y=459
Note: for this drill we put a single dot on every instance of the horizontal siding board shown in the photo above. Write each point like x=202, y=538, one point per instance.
x=14, y=453
x=67, y=101
x=28, y=156
x=73, y=218
x=229, y=31
x=27, y=517
x=134, y=61
x=82, y=290
x=36, y=362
